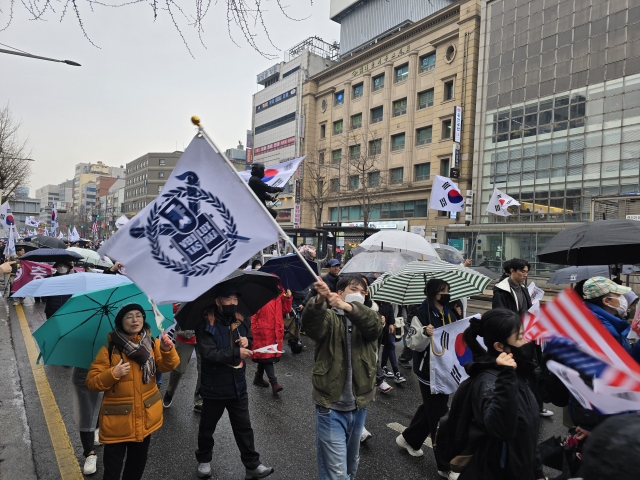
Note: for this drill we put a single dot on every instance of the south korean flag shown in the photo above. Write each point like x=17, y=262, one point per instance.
x=500, y=202
x=445, y=195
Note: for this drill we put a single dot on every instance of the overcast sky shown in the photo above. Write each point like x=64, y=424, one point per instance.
x=137, y=92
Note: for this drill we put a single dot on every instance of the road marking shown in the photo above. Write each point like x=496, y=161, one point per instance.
x=65, y=455
x=400, y=428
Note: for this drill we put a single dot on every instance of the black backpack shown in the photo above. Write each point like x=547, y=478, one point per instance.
x=452, y=444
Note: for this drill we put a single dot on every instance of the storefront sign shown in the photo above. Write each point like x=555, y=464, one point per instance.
x=274, y=146
x=456, y=155
x=297, y=200
x=276, y=100
x=268, y=73
x=457, y=132
x=296, y=214
x=380, y=61
x=284, y=215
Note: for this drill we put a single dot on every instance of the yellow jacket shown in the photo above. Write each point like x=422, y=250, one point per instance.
x=130, y=410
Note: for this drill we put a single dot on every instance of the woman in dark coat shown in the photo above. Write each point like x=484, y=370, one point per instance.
x=503, y=434
x=434, y=312
x=56, y=301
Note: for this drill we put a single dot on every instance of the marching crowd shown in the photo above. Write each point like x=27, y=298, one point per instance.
x=487, y=430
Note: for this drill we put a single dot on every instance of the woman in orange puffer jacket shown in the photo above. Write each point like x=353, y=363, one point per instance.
x=125, y=371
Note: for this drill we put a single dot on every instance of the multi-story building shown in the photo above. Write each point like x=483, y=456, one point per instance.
x=237, y=156
x=145, y=178
x=47, y=195
x=22, y=206
x=114, y=205
x=65, y=195
x=87, y=200
x=278, y=117
x=381, y=123
x=558, y=121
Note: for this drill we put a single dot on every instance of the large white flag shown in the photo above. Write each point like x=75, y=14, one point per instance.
x=276, y=175
x=500, y=202
x=203, y=226
x=445, y=195
x=74, y=235
x=7, y=221
x=61, y=235
x=449, y=353
x=10, y=247
x=121, y=221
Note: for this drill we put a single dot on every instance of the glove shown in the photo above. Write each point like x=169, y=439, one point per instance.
x=281, y=189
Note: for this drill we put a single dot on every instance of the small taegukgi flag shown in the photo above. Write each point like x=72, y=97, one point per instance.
x=445, y=195
x=500, y=202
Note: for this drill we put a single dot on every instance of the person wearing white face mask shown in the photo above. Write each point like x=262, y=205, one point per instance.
x=606, y=301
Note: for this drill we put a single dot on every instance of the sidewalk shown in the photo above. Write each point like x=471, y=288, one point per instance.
x=16, y=455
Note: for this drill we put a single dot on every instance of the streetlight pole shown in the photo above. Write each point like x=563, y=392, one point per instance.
x=25, y=54
x=338, y=167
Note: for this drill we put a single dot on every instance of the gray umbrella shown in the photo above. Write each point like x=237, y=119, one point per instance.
x=576, y=274
x=604, y=242
x=376, y=261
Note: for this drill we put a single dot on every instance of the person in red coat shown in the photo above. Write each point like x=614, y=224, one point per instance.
x=268, y=329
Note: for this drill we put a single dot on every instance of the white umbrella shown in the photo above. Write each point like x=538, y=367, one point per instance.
x=69, y=284
x=92, y=257
x=399, y=241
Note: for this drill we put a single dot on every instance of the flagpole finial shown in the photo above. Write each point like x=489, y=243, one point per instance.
x=195, y=120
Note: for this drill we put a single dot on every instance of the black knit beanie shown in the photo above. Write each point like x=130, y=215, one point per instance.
x=124, y=309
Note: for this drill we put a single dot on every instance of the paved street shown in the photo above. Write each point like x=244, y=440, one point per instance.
x=283, y=424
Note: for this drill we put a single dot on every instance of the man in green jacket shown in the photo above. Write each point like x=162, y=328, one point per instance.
x=344, y=374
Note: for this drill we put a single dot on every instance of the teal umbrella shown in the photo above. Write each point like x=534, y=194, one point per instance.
x=74, y=334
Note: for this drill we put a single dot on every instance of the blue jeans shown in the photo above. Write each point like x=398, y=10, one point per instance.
x=389, y=351
x=338, y=442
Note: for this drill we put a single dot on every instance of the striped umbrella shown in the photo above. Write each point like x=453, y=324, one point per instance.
x=405, y=285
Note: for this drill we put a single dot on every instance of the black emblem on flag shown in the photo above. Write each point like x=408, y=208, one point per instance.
x=446, y=185
x=443, y=202
x=456, y=374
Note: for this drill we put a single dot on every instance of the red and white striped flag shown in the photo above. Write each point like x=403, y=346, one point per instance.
x=94, y=229
x=567, y=316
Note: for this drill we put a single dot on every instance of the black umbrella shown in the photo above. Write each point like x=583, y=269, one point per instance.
x=51, y=255
x=577, y=274
x=486, y=272
x=28, y=246
x=256, y=290
x=49, y=242
x=603, y=242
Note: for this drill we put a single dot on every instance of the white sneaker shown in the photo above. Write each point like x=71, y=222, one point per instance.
x=365, y=435
x=546, y=413
x=453, y=476
x=443, y=473
x=204, y=470
x=385, y=387
x=90, y=465
x=96, y=437
x=403, y=443
x=387, y=373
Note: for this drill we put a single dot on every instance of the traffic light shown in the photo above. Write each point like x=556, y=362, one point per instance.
x=98, y=216
x=81, y=226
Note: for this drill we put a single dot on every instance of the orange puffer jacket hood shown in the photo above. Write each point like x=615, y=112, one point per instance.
x=130, y=410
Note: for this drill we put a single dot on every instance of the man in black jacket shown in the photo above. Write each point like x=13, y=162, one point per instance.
x=331, y=279
x=261, y=189
x=511, y=293
x=224, y=340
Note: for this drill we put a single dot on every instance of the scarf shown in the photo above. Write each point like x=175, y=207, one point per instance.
x=138, y=352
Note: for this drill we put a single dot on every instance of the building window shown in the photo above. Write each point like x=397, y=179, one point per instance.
x=323, y=131
x=423, y=135
x=396, y=175
x=336, y=156
x=375, y=147
x=399, y=107
x=159, y=188
x=428, y=62
x=425, y=99
x=423, y=172
x=334, y=184
x=356, y=121
x=161, y=161
x=376, y=115
x=446, y=129
x=321, y=158
x=397, y=142
x=444, y=167
x=448, y=90
x=339, y=98
x=354, y=182
x=358, y=90
x=402, y=73
x=354, y=151
x=378, y=82
x=374, y=179
x=160, y=174
x=337, y=127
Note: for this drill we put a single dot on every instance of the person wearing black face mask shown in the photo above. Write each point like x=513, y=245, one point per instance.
x=503, y=429
x=434, y=312
x=224, y=341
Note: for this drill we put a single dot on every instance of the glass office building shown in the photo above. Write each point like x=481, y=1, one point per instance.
x=559, y=114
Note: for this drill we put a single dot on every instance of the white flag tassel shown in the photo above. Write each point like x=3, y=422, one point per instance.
x=203, y=226
x=500, y=202
x=445, y=195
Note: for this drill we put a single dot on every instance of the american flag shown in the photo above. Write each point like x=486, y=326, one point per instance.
x=94, y=229
x=567, y=316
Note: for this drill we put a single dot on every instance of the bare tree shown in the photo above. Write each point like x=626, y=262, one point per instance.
x=14, y=168
x=318, y=189
x=366, y=184
x=248, y=16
